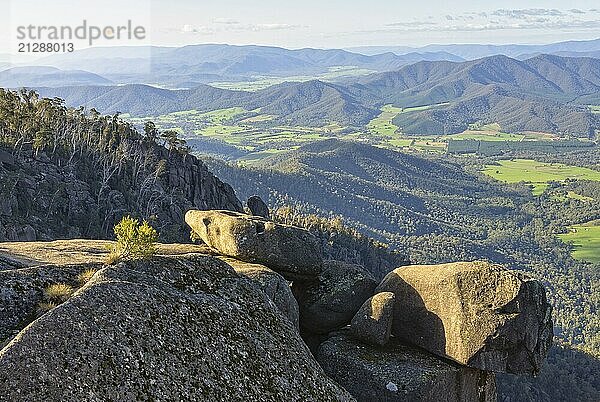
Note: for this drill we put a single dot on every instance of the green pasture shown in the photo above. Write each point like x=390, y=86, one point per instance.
x=537, y=174
x=585, y=240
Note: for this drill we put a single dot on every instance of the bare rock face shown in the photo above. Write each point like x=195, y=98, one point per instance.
x=21, y=291
x=398, y=372
x=177, y=328
x=329, y=301
x=274, y=285
x=373, y=322
x=291, y=251
x=258, y=207
x=49, y=199
x=475, y=313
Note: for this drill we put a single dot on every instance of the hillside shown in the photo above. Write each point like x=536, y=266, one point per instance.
x=545, y=94
x=304, y=103
x=313, y=103
x=437, y=211
x=538, y=94
x=72, y=175
x=145, y=100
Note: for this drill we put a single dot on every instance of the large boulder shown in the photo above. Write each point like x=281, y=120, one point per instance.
x=373, y=321
x=330, y=301
x=258, y=207
x=170, y=329
x=274, y=285
x=398, y=372
x=291, y=251
x=476, y=313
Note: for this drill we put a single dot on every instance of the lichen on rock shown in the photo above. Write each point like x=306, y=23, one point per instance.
x=173, y=328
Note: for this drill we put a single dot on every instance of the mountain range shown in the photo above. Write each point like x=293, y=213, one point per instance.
x=477, y=51
x=16, y=77
x=545, y=93
x=195, y=64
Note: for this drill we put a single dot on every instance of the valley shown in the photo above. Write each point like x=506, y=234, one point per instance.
x=254, y=134
x=429, y=156
x=257, y=83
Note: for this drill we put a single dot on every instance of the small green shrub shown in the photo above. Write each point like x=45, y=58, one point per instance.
x=134, y=241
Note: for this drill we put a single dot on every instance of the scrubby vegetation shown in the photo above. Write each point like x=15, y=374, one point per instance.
x=58, y=293
x=134, y=240
x=343, y=243
x=54, y=295
x=85, y=276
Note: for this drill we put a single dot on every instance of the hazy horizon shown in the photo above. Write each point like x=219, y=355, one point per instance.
x=336, y=24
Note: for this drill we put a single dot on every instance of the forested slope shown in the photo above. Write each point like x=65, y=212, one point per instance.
x=67, y=174
x=436, y=211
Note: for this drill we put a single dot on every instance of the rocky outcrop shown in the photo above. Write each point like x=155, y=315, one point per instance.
x=45, y=198
x=176, y=328
x=399, y=372
x=329, y=301
x=475, y=313
x=258, y=207
x=274, y=285
x=60, y=252
x=21, y=290
x=289, y=250
x=187, y=325
x=373, y=321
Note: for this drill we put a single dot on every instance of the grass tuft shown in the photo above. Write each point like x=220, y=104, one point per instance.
x=85, y=276
x=58, y=293
x=44, y=307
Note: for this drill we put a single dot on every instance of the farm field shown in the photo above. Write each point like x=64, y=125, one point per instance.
x=245, y=130
x=537, y=174
x=259, y=135
x=487, y=132
x=262, y=82
x=571, y=195
x=382, y=124
x=385, y=133
x=585, y=240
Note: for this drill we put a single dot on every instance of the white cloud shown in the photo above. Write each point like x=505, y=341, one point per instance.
x=225, y=21
x=501, y=19
x=191, y=29
x=527, y=12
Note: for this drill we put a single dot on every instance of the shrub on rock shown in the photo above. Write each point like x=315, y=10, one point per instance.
x=133, y=240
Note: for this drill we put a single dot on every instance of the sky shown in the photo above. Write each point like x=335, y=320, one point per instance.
x=311, y=23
